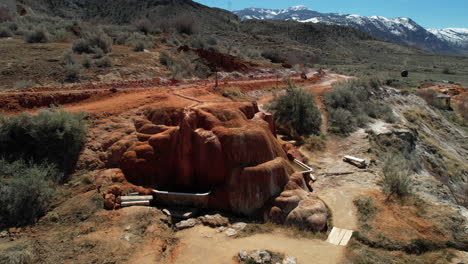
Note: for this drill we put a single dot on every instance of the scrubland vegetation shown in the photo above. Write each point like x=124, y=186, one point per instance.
x=37, y=152
x=354, y=103
x=296, y=111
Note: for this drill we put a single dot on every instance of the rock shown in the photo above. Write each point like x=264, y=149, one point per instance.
x=186, y=223
x=230, y=232
x=3, y=234
x=239, y=226
x=310, y=214
x=214, y=220
x=290, y=260
x=265, y=256
x=53, y=217
x=243, y=255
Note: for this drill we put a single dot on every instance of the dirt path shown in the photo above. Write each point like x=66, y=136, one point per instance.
x=204, y=245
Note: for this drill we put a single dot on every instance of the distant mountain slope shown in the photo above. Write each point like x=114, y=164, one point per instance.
x=127, y=11
x=398, y=30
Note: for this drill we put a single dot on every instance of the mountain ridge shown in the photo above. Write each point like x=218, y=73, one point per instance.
x=400, y=30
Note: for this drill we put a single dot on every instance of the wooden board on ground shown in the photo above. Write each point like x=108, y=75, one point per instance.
x=360, y=163
x=339, y=236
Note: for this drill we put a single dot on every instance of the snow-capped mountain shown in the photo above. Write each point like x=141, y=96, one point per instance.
x=458, y=36
x=400, y=30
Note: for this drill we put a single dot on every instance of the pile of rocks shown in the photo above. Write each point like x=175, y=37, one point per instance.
x=215, y=220
x=263, y=256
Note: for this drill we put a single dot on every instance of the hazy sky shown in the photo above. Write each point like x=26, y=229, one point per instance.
x=427, y=13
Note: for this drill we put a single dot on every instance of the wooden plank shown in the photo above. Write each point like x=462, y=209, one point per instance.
x=134, y=194
x=136, y=198
x=347, y=236
x=132, y=203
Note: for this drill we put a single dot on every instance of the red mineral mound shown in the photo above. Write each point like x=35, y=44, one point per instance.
x=226, y=148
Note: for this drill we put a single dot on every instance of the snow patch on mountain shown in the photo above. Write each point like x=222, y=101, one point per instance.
x=453, y=35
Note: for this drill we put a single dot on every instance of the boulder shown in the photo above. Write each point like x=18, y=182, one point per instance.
x=186, y=223
x=310, y=214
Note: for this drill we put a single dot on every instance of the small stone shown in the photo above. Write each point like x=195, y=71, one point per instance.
x=243, y=255
x=289, y=260
x=230, y=232
x=239, y=226
x=265, y=256
x=3, y=234
x=127, y=228
x=126, y=237
x=255, y=255
x=214, y=220
x=221, y=229
x=186, y=224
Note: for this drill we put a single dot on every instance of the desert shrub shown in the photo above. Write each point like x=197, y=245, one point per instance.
x=353, y=103
x=430, y=96
x=397, y=180
x=61, y=36
x=315, y=143
x=67, y=58
x=5, y=32
x=72, y=72
x=366, y=209
x=25, y=191
x=144, y=25
x=17, y=254
x=185, y=25
x=87, y=62
x=342, y=121
x=104, y=62
x=55, y=136
x=5, y=14
x=38, y=35
x=273, y=55
x=179, y=66
x=138, y=47
x=23, y=84
x=447, y=71
x=92, y=41
x=296, y=110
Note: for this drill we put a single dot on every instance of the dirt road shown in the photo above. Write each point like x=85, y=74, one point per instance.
x=204, y=245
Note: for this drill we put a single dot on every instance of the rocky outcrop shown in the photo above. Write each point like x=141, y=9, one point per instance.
x=229, y=149
x=299, y=207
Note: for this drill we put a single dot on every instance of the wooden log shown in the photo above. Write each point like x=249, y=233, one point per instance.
x=136, y=198
x=132, y=203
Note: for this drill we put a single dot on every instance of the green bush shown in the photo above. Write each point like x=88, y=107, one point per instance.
x=54, y=136
x=296, y=110
x=39, y=35
x=25, y=191
x=342, y=121
x=397, y=171
x=93, y=41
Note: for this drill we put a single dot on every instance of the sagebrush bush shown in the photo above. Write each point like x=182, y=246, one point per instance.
x=92, y=41
x=296, y=111
x=38, y=35
x=144, y=25
x=397, y=176
x=25, y=191
x=274, y=56
x=5, y=32
x=55, y=136
x=104, y=62
x=23, y=84
x=139, y=46
x=353, y=103
x=72, y=72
